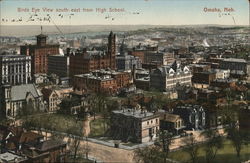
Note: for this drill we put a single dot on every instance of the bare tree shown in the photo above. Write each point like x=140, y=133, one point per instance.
x=165, y=140
x=237, y=138
x=191, y=147
x=148, y=155
x=74, y=144
x=213, y=144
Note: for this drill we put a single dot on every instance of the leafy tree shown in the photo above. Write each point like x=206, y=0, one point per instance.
x=97, y=103
x=66, y=105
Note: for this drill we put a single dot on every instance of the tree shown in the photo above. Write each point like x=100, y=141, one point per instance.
x=66, y=105
x=165, y=140
x=106, y=113
x=214, y=142
x=74, y=144
x=97, y=103
x=237, y=138
x=191, y=147
x=86, y=149
x=148, y=155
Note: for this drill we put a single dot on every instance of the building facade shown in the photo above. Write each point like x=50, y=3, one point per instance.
x=203, y=79
x=171, y=122
x=134, y=125
x=59, y=65
x=159, y=58
x=39, y=54
x=14, y=99
x=193, y=115
x=87, y=61
x=127, y=62
x=102, y=81
x=15, y=69
x=140, y=51
x=168, y=77
x=236, y=66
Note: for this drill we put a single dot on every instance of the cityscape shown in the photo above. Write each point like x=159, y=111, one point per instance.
x=115, y=93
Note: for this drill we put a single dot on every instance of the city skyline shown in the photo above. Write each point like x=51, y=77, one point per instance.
x=151, y=12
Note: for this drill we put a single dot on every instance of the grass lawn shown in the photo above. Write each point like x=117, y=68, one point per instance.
x=153, y=93
x=57, y=122
x=225, y=155
x=98, y=127
x=79, y=160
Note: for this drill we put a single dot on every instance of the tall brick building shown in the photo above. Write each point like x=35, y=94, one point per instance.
x=39, y=54
x=101, y=81
x=87, y=61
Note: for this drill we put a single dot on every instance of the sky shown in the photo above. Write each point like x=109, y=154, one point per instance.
x=132, y=12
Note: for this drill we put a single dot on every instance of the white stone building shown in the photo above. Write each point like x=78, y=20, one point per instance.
x=168, y=77
x=15, y=69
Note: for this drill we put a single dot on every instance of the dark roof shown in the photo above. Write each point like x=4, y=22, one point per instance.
x=29, y=136
x=41, y=35
x=46, y=92
x=170, y=117
x=50, y=144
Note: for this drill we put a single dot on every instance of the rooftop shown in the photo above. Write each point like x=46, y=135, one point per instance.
x=139, y=114
x=234, y=60
x=19, y=92
x=10, y=157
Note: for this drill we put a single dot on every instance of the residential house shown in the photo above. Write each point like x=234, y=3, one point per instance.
x=171, y=122
x=194, y=116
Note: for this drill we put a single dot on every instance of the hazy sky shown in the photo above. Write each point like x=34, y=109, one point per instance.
x=153, y=12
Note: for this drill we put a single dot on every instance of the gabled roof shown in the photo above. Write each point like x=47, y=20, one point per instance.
x=19, y=92
x=171, y=117
x=46, y=92
x=29, y=136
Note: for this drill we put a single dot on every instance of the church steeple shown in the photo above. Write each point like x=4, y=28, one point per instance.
x=112, y=49
x=122, y=47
